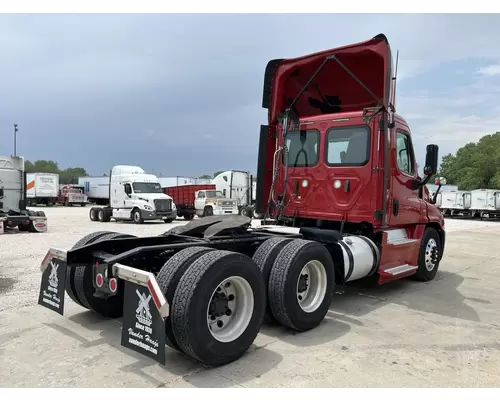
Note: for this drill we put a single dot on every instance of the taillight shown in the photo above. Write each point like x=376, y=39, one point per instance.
x=113, y=284
x=99, y=280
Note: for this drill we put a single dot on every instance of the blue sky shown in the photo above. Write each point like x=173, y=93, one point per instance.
x=181, y=94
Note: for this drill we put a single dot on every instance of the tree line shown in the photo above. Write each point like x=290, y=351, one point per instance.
x=475, y=165
x=66, y=176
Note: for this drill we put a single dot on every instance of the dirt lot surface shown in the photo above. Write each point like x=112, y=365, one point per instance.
x=444, y=333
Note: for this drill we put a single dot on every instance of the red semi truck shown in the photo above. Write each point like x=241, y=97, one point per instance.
x=338, y=176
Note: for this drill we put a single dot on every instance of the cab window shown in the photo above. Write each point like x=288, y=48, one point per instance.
x=348, y=146
x=404, y=155
x=303, y=147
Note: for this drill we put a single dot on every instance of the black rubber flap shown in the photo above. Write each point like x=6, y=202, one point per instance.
x=51, y=293
x=143, y=328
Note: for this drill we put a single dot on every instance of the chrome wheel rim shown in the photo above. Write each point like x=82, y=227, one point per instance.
x=311, y=286
x=431, y=253
x=230, y=309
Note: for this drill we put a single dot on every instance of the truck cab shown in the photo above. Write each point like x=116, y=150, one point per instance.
x=335, y=155
x=136, y=195
x=70, y=195
x=213, y=202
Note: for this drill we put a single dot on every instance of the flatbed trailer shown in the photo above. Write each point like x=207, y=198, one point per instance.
x=342, y=201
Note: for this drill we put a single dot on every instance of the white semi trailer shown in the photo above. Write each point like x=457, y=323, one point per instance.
x=485, y=202
x=13, y=212
x=42, y=188
x=455, y=203
x=96, y=188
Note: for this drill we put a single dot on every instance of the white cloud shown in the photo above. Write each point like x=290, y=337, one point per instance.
x=490, y=70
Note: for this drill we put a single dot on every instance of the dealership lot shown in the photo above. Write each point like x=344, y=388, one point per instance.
x=441, y=333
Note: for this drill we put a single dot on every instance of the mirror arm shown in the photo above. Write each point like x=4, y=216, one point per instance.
x=436, y=194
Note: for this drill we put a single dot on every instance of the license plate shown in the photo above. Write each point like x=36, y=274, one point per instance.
x=52, y=287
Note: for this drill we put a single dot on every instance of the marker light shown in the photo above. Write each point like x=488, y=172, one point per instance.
x=337, y=184
x=305, y=183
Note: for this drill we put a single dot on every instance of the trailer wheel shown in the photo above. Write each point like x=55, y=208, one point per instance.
x=168, y=278
x=218, y=307
x=70, y=274
x=93, y=214
x=188, y=217
x=301, y=284
x=84, y=287
x=137, y=217
x=264, y=257
x=428, y=256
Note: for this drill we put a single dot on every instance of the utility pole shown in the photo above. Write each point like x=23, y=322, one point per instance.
x=15, y=140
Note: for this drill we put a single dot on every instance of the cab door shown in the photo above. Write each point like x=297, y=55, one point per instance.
x=405, y=206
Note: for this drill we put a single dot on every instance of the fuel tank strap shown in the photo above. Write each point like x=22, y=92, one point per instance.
x=351, y=259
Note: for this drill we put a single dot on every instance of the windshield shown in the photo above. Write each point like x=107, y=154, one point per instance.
x=214, y=193
x=146, y=187
x=302, y=148
x=74, y=191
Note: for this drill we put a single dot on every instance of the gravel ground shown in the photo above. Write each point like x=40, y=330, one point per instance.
x=442, y=333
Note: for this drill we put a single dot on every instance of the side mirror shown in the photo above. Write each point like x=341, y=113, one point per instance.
x=440, y=181
x=431, y=159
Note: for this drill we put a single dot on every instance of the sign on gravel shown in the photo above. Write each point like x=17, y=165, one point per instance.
x=143, y=328
x=51, y=293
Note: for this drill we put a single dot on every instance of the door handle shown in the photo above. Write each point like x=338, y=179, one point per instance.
x=395, y=207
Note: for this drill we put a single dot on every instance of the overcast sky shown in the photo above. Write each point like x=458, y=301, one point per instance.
x=181, y=94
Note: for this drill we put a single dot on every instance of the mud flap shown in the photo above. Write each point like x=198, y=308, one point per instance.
x=52, y=286
x=143, y=328
x=144, y=313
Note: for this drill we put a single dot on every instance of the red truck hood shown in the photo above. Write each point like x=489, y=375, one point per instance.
x=334, y=89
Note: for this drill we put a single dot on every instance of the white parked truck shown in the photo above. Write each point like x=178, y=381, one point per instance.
x=485, y=202
x=210, y=202
x=13, y=212
x=238, y=185
x=42, y=188
x=454, y=203
x=134, y=196
x=96, y=188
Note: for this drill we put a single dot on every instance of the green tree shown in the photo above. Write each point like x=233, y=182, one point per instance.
x=475, y=165
x=66, y=176
x=205, y=176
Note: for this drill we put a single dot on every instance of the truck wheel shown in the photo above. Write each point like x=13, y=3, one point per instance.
x=40, y=214
x=301, y=284
x=208, y=211
x=188, y=217
x=264, y=257
x=168, y=278
x=218, y=307
x=84, y=287
x=83, y=204
x=137, y=217
x=93, y=214
x=100, y=215
x=247, y=212
x=169, y=220
x=70, y=273
x=428, y=256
